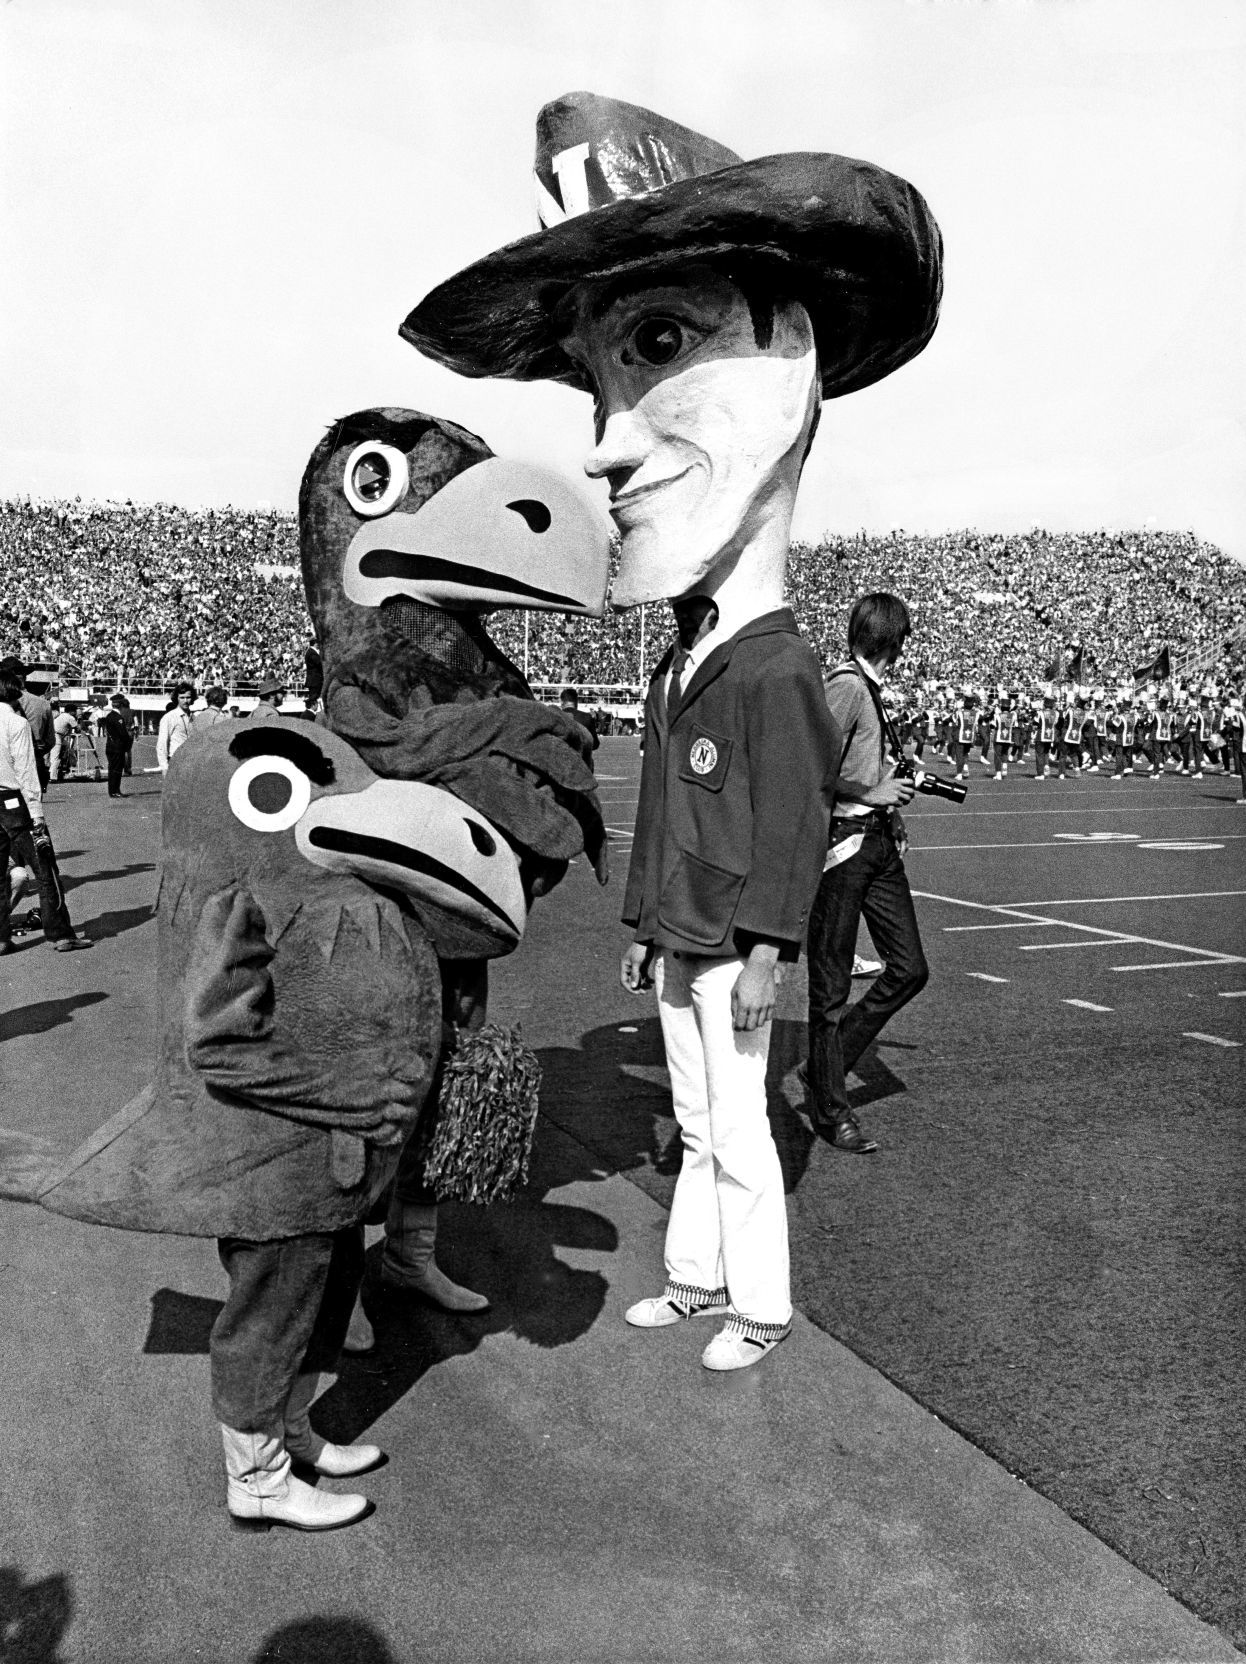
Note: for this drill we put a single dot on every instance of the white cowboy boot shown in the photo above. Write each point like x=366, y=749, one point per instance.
x=336, y=1461
x=261, y=1491
x=408, y=1261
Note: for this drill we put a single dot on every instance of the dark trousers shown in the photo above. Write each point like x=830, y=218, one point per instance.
x=288, y=1308
x=116, y=765
x=41, y=863
x=870, y=884
x=1042, y=753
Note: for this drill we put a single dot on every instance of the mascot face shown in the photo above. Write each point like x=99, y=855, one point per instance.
x=701, y=432
x=396, y=506
x=281, y=800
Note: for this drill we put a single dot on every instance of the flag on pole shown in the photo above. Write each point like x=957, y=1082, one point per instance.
x=1159, y=669
x=1051, y=672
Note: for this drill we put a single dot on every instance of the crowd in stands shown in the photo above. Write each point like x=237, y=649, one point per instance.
x=132, y=593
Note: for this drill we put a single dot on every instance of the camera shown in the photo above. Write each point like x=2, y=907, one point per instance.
x=934, y=785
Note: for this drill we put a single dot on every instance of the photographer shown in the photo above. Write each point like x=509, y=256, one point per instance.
x=864, y=875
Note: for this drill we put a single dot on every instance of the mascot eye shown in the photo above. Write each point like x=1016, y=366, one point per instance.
x=656, y=341
x=376, y=478
x=269, y=794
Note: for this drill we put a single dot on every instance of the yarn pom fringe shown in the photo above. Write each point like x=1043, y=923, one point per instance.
x=480, y=1144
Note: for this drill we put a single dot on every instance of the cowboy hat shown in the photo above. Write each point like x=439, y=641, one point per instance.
x=621, y=189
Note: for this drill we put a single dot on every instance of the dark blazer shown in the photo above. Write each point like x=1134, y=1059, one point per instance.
x=735, y=796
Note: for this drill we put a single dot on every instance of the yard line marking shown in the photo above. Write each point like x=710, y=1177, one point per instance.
x=1176, y=964
x=1077, y=843
x=1172, y=843
x=955, y=929
x=1233, y=994
x=1150, y=808
x=1099, y=901
x=1088, y=1005
x=1211, y=1039
x=1104, y=942
x=1204, y=956
x=983, y=977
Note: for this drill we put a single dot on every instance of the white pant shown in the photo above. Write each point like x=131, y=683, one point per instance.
x=728, y=1224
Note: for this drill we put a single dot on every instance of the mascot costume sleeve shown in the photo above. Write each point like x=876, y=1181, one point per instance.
x=411, y=531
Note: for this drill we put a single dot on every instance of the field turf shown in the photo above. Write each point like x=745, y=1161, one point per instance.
x=1047, y=1250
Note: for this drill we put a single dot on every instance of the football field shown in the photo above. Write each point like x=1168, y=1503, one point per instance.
x=1046, y=1254
x=1047, y=1250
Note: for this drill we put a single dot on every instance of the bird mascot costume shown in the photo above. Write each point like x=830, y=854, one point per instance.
x=318, y=890
x=411, y=530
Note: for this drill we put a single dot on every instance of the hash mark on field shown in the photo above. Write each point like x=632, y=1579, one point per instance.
x=1233, y=994
x=1211, y=1039
x=1107, y=942
x=1088, y=1005
x=982, y=976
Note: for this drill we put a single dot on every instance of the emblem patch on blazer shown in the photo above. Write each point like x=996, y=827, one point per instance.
x=703, y=756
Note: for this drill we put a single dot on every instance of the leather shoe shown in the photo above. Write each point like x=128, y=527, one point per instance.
x=847, y=1135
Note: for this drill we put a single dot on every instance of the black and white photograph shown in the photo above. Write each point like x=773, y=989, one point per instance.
x=623, y=831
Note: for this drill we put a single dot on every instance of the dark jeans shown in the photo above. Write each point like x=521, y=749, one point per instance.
x=871, y=884
x=41, y=863
x=288, y=1309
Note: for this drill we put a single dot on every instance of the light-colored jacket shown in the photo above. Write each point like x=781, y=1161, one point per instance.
x=17, y=761
x=174, y=732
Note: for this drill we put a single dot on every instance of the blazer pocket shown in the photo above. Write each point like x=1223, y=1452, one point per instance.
x=699, y=900
x=707, y=759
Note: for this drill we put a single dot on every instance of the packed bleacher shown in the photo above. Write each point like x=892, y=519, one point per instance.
x=146, y=594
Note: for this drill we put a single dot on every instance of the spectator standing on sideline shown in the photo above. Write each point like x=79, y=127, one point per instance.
x=272, y=695
x=117, y=743
x=864, y=875
x=38, y=712
x=65, y=726
x=213, y=712
x=174, y=726
x=24, y=834
x=569, y=701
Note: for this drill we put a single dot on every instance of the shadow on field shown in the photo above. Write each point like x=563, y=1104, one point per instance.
x=43, y=1015
x=33, y=1617
x=116, y=922
x=105, y=875
x=319, y=1640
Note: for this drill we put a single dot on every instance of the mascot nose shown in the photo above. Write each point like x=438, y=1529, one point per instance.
x=459, y=871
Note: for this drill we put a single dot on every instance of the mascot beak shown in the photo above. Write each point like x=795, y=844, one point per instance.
x=402, y=835
x=500, y=534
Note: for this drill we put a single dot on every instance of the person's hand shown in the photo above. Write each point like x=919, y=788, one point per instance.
x=753, y=996
x=636, y=966
x=889, y=794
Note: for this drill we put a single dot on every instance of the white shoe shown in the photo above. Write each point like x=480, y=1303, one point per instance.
x=1197, y=775
x=680, y=1302
x=743, y=1343
x=335, y=1461
x=997, y=776
x=1118, y=777
x=866, y=967
x=261, y=1491
x=408, y=1262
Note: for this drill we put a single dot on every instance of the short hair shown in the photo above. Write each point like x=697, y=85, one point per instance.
x=10, y=686
x=879, y=624
x=571, y=694
x=181, y=688
x=215, y=696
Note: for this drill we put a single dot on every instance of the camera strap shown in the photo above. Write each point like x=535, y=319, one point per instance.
x=887, y=734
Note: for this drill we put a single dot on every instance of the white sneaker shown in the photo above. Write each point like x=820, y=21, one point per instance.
x=680, y=1302
x=743, y=1343
x=864, y=967
x=997, y=776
